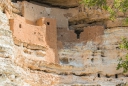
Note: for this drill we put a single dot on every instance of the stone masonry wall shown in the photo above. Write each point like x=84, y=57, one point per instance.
x=33, y=12
x=91, y=33
x=36, y=37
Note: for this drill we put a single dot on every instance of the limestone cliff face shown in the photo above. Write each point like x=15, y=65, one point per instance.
x=9, y=72
x=81, y=50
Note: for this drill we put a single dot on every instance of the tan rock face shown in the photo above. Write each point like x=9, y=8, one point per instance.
x=94, y=16
x=88, y=53
x=9, y=72
x=99, y=60
x=116, y=23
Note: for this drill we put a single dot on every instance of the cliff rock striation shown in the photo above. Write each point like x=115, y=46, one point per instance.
x=42, y=45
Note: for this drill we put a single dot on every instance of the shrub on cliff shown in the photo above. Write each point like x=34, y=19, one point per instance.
x=123, y=62
x=113, y=7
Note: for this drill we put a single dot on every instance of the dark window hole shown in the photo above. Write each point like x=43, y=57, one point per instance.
x=78, y=32
x=0, y=74
x=92, y=59
x=93, y=54
x=116, y=76
x=117, y=48
x=20, y=26
x=98, y=75
x=105, y=26
x=98, y=48
x=34, y=32
x=126, y=75
x=41, y=13
x=48, y=23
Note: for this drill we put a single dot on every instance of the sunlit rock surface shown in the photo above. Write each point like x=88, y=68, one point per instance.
x=87, y=46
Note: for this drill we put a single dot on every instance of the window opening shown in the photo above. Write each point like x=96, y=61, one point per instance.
x=78, y=32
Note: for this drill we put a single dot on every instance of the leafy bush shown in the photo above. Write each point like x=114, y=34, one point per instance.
x=117, y=6
x=123, y=63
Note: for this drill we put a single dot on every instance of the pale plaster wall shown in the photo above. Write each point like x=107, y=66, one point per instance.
x=33, y=12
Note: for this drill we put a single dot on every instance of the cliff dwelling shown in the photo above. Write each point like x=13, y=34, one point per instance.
x=59, y=43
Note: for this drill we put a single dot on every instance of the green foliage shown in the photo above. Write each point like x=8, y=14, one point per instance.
x=124, y=44
x=123, y=63
x=99, y=3
x=123, y=5
x=126, y=21
x=115, y=7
